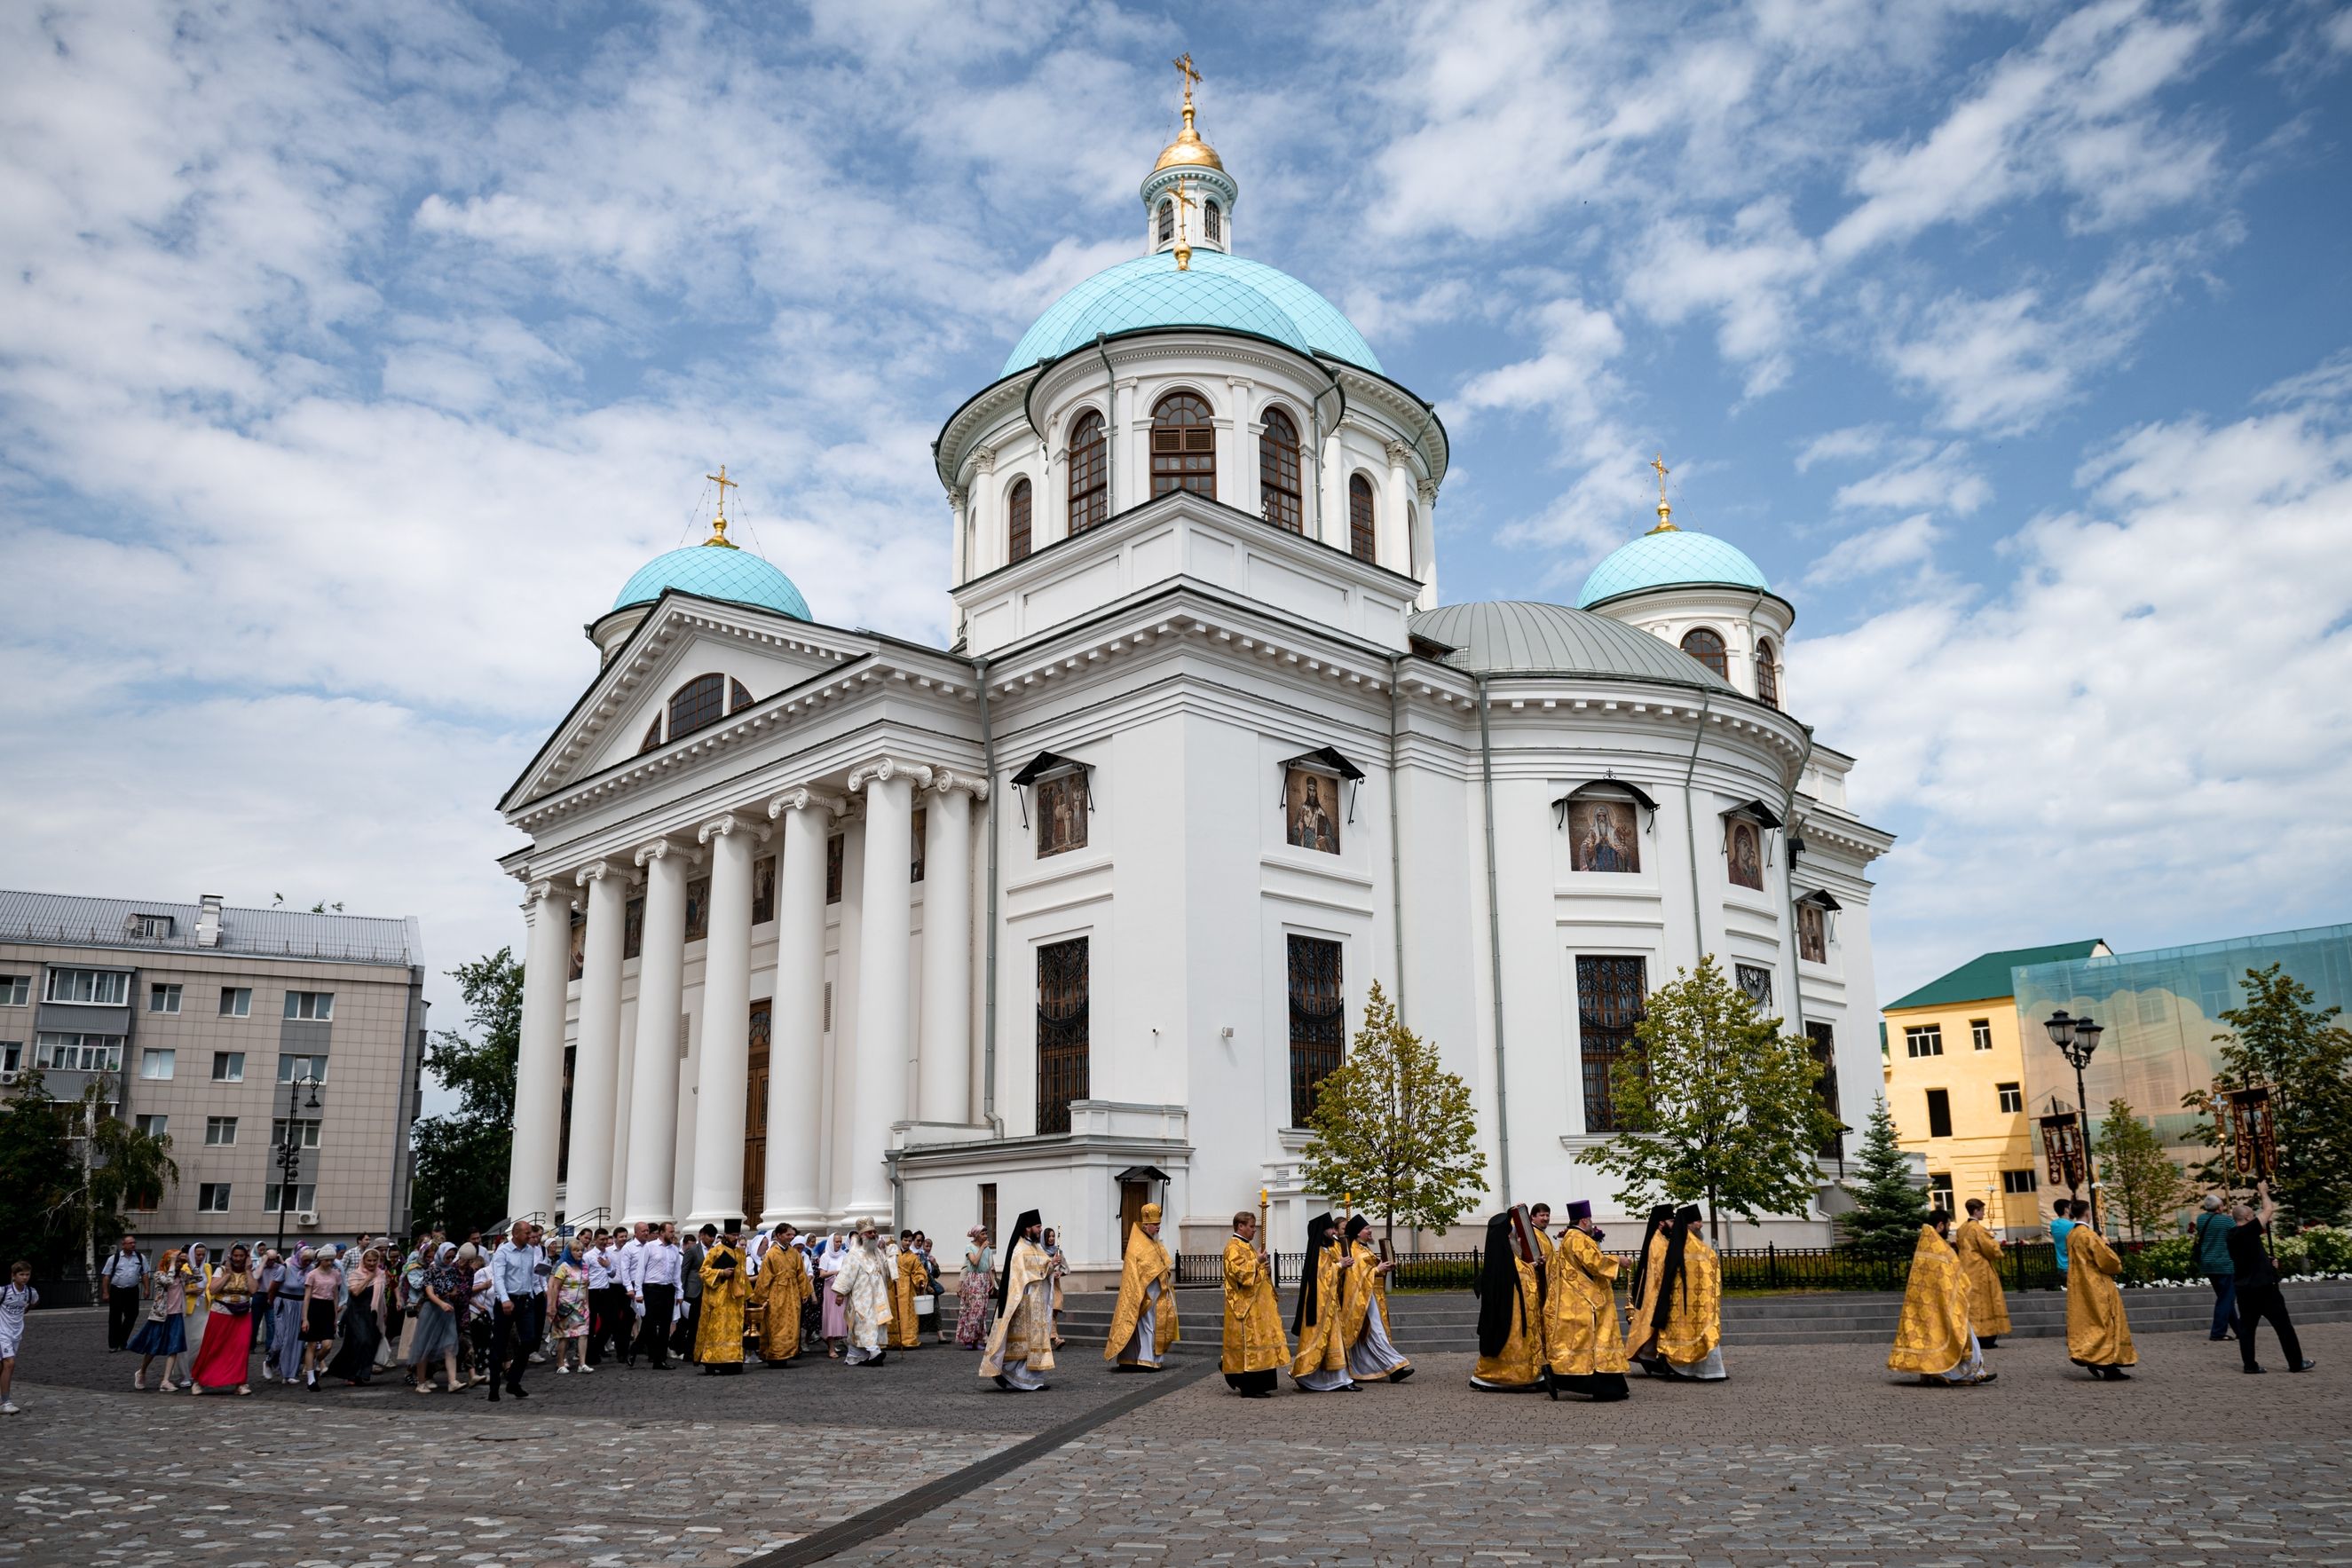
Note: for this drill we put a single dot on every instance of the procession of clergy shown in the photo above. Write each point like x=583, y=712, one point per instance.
x=1547, y=1315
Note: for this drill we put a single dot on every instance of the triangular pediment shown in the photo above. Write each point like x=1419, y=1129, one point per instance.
x=680, y=639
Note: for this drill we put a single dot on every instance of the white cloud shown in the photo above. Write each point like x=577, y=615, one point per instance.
x=1925, y=476
x=1854, y=441
x=1910, y=542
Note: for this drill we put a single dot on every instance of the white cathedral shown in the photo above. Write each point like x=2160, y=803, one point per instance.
x=1075, y=916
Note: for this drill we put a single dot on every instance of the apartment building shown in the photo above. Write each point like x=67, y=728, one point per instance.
x=234, y=1032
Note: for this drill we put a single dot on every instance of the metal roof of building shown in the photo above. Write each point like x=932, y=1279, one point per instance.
x=1986, y=977
x=67, y=920
x=1521, y=637
x=1216, y=290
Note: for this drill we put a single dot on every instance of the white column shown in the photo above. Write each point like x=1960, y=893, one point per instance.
x=885, y=943
x=1425, y=547
x=718, y=1111
x=596, y=1060
x=984, y=516
x=964, y=556
x=796, y=1025
x=1332, y=480
x=653, y=1083
x=1395, y=541
x=1131, y=477
x=943, y=1071
x=538, y=1054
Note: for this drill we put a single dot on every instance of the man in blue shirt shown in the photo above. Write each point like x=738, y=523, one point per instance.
x=2060, y=1224
x=514, y=1279
x=2212, y=1243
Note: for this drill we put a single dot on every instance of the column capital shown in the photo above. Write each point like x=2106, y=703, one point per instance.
x=597, y=871
x=947, y=781
x=984, y=460
x=801, y=798
x=547, y=890
x=1399, y=454
x=882, y=769
x=727, y=822
x=661, y=849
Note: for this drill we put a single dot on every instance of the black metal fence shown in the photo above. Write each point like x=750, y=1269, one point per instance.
x=2024, y=1265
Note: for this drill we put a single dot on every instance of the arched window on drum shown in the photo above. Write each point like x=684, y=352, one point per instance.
x=1280, y=494
x=1016, y=521
x=1183, y=446
x=1768, y=678
x=1089, y=473
x=1706, y=645
x=1361, y=538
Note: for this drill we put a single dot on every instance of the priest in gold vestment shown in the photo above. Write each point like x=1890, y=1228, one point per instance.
x=1364, y=1312
x=1981, y=1263
x=1510, y=1315
x=1254, y=1345
x=1321, y=1365
x=719, y=1330
x=1021, y=1344
x=2097, y=1336
x=1677, y=1312
x=913, y=1281
x=1932, y=1337
x=1581, y=1334
x=780, y=1286
x=1143, y=1325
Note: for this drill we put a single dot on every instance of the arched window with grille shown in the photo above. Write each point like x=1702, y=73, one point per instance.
x=1016, y=521
x=1280, y=495
x=1183, y=446
x=1767, y=679
x=1361, y=540
x=653, y=735
x=697, y=704
x=739, y=696
x=1089, y=473
x=1213, y=221
x=1706, y=645
x=1166, y=220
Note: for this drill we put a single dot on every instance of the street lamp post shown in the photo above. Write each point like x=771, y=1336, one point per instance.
x=289, y=1150
x=2077, y=1039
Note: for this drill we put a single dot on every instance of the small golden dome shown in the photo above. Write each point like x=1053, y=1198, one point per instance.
x=1188, y=151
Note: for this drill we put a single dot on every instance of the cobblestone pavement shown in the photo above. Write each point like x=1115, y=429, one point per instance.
x=1810, y=1455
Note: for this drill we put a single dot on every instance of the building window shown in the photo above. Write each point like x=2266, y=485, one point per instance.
x=1319, y=1023
x=152, y=927
x=1183, y=446
x=16, y=991
x=1767, y=679
x=294, y=1069
x=77, y=1052
x=1089, y=473
x=1706, y=645
x=163, y=998
x=1213, y=221
x=988, y=1207
x=2012, y=1098
x=1812, y=934
x=653, y=735
x=1980, y=1033
x=1063, y=1037
x=98, y=988
x=1281, y=496
x=151, y=1126
x=1822, y=1038
x=1166, y=220
x=1609, y=993
x=1939, y=1113
x=12, y=1056
x=1016, y=526
x=156, y=1065
x=697, y=704
x=304, y=1198
x=228, y=1067
x=1063, y=803
x=302, y=1132
x=315, y=1006
x=2016, y=1182
x=1756, y=981
x=220, y=1131
x=1939, y=1190
x=1923, y=1038
x=1362, y=542
x=835, y=848
x=236, y=1001
x=212, y=1197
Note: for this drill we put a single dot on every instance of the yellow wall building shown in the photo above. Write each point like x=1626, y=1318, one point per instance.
x=1956, y=1086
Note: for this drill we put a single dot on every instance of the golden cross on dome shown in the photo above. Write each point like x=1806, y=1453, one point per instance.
x=719, y=523
x=1666, y=513
x=1183, y=63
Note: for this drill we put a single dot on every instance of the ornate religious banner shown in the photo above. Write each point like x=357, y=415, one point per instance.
x=2061, y=1140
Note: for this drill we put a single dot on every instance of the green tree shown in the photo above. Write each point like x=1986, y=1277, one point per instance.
x=1715, y=1104
x=462, y=1157
x=69, y=1168
x=118, y=1163
x=1394, y=1130
x=36, y=1170
x=2145, y=1185
x=1889, y=1207
x=2276, y=1037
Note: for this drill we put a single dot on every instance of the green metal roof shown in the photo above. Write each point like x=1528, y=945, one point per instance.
x=1986, y=977
x=1525, y=637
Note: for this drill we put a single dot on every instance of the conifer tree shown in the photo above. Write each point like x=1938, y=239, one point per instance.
x=1888, y=1210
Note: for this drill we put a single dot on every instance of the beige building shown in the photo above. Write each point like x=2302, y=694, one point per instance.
x=230, y=1031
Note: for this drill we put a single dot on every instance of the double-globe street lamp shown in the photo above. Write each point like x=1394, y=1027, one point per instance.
x=2077, y=1039
x=289, y=1149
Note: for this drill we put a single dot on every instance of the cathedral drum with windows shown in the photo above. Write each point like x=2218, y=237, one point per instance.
x=1075, y=914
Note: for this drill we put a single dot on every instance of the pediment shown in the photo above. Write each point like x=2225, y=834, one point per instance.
x=681, y=638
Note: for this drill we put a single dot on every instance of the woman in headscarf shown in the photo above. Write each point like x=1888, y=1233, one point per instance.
x=199, y=1266
x=1510, y=1315
x=362, y=1323
x=1364, y=1316
x=322, y=1283
x=281, y=1275
x=1678, y=1304
x=223, y=1359
x=1320, y=1365
x=977, y=1290
x=440, y=1306
x=165, y=1330
x=567, y=1301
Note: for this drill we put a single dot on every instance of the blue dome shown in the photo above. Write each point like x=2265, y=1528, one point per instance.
x=716, y=572
x=1218, y=290
x=1667, y=558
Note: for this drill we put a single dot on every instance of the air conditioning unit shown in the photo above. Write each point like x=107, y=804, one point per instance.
x=8, y=1076
x=307, y=1217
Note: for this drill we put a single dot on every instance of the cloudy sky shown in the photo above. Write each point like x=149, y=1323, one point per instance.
x=350, y=362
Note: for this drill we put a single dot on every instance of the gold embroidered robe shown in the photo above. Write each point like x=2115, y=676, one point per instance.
x=1254, y=1341
x=1024, y=1329
x=1148, y=1263
x=1520, y=1364
x=1583, y=1337
x=2096, y=1332
x=1694, y=1318
x=719, y=1331
x=1980, y=1264
x=783, y=1286
x=1320, y=1348
x=914, y=1279
x=1932, y=1335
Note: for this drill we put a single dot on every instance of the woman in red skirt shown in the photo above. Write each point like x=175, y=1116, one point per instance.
x=227, y=1350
